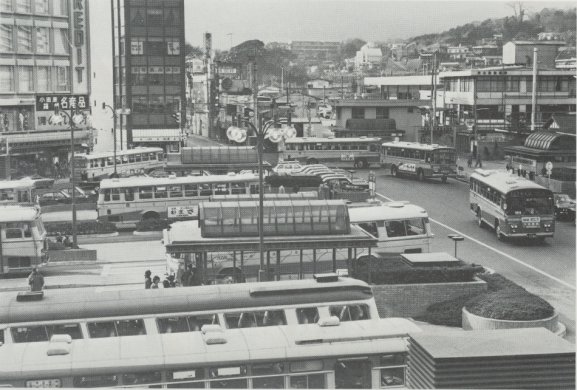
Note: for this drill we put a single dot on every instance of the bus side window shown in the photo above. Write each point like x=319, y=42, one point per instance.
x=128, y=194
x=370, y=227
x=73, y=330
x=131, y=158
x=27, y=231
x=415, y=227
x=101, y=329
x=138, y=157
x=115, y=194
x=107, y=195
x=130, y=327
x=144, y=156
x=395, y=229
x=308, y=315
x=145, y=193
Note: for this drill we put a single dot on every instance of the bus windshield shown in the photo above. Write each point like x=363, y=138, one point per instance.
x=443, y=157
x=542, y=205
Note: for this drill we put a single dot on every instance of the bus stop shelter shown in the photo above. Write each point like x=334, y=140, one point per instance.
x=185, y=237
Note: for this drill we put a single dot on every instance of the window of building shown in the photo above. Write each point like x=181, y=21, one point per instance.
x=137, y=46
x=6, y=38
x=140, y=104
x=173, y=48
x=62, y=78
x=358, y=113
x=171, y=16
x=60, y=7
x=382, y=112
x=172, y=75
x=172, y=104
x=483, y=84
x=61, y=45
x=138, y=75
x=6, y=6
x=41, y=6
x=25, y=79
x=137, y=16
x=156, y=75
x=155, y=48
x=156, y=104
x=24, y=6
x=512, y=84
x=42, y=40
x=154, y=16
x=24, y=39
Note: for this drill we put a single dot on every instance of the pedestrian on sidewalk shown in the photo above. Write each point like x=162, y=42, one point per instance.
x=147, y=280
x=35, y=280
x=479, y=162
x=470, y=161
x=185, y=278
x=59, y=238
x=155, y=282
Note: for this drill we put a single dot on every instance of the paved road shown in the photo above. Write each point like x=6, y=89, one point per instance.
x=547, y=270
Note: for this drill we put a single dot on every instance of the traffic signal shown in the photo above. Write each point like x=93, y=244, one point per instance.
x=176, y=117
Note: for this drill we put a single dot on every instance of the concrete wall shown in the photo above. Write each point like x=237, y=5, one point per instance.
x=412, y=300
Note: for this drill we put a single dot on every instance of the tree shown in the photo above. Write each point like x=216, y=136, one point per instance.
x=194, y=51
x=350, y=47
x=519, y=9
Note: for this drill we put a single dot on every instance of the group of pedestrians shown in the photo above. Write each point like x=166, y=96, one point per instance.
x=478, y=161
x=64, y=240
x=189, y=277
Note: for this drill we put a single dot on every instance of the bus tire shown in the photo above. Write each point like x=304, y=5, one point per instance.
x=500, y=236
x=362, y=163
x=421, y=175
x=394, y=171
x=150, y=215
x=480, y=219
x=312, y=161
x=444, y=179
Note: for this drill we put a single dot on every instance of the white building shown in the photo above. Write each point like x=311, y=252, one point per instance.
x=369, y=54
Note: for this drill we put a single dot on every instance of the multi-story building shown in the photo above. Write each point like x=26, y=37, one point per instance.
x=458, y=52
x=314, y=49
x=44, y=64
x=149, y=70
x=369, y=54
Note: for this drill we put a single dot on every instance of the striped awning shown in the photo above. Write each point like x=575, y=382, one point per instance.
x=541, y=140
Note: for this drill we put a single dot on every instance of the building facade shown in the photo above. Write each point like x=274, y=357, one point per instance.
x=149, y=71
x=314, y=49
x=44, y=64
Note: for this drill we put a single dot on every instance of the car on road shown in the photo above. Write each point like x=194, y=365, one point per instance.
x=325, y=111
x=564, y=207
x=39, y=181
x=287, y=167
x=64, y=196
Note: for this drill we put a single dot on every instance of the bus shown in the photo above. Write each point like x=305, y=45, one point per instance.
x=420, y=160
x=97, y=166
x=126, y=201
x=22, y=239
x=21, y=192
x=400, y=227
x=513, y=206
x=328, y=355
x=360, y=152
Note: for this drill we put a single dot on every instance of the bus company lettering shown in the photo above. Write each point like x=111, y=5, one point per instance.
x=347, y=157
x=182, y=211
x=407, y=167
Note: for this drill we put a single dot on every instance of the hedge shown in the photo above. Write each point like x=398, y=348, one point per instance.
x=82, y=227
x=504, y=300
x=291, y=181
x=152, y=225
x=395, y=271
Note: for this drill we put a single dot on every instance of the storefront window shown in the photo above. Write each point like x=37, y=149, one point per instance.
x=6, y=38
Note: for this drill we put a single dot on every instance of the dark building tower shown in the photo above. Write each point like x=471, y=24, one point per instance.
x=149, y=70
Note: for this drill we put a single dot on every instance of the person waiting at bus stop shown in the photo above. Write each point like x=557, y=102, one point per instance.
x=36, y=280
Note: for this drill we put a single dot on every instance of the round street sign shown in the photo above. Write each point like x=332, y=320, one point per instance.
x=226, y=83
x=549, y=165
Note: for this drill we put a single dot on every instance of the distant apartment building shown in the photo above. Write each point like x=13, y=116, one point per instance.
x=458, y=52
x=369, y=54
x=401, y=87
x=550, y=36
x=44, y=63
x=314, y=49
x=149, y=70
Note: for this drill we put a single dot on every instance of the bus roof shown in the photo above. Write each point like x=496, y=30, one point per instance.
x=386, y=211
x=110, y=153
x=416, y=145
x=16, y=184
x=177, y=351
x=86, y=303
x=173, y=180
x=330, y=140
x=18, y=213
x=503, y=181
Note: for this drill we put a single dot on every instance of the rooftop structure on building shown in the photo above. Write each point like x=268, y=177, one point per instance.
x=521, y=53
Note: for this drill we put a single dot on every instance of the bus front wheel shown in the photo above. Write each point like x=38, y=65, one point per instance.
x=444, y=179
x=498, y=232
x=394, y=171
x=362, y=163
x=480, y=219
x=150, y=215
x=421, y=175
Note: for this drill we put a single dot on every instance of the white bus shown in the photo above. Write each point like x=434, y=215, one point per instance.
x=96, y=166
x=22, y=239
x=360, y=152
x=400, y=227
x=513, y=206
x=126, y=201
x=21, y=192
x=420, y=160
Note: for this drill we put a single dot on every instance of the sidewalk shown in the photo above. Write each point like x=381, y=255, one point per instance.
x=464, y=171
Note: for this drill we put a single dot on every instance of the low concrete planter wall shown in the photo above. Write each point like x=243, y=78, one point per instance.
x=152, y=233
x=72, y=255
x=474, y=322
x=412, y=300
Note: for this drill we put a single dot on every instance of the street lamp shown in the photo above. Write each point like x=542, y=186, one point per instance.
x=456, y=238
x=120, y=111
x=238, y=134
x=74, y=120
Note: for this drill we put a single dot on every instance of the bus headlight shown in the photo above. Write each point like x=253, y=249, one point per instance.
x=547, y=225
x=513, y=226
x=436, y=169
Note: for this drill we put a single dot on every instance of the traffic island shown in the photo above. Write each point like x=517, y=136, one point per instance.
x=68, y=255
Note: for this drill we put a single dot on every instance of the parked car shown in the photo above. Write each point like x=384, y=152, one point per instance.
x=39, y=181
x=62, y=197
x=325, y=111
x=564, y=207
x=287, y=167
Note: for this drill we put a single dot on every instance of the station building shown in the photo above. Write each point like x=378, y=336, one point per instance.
x=44, y=62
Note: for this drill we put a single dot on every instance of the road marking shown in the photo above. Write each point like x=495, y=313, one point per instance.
x=106, y=270
x=495, y=250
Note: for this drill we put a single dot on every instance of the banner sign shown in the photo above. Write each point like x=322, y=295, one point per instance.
x=64, y=102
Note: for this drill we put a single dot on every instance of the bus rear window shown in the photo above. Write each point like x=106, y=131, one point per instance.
x=350, y=312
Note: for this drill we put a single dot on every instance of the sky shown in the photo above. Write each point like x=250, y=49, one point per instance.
x=236, y=21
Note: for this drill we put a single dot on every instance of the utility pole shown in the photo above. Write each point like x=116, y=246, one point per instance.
x=434, y=94
x=534, y=94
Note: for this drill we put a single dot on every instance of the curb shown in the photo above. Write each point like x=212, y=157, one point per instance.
x=151, y=234
x=98, y=235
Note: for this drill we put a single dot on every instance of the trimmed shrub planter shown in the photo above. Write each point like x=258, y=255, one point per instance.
x=72, y=255
x=474, y=322
x=82, y=228
x=152, y=225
